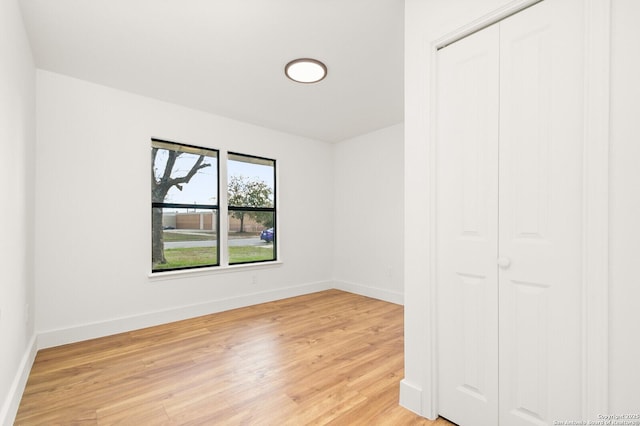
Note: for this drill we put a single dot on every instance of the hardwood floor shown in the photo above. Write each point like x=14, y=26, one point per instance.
x=325, y=358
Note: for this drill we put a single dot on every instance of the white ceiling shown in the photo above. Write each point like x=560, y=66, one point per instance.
x=227, y=56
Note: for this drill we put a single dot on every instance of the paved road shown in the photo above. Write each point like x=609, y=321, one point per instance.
x=254, y=241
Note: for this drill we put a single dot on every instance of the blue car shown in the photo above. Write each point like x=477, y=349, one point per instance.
x=267, y=235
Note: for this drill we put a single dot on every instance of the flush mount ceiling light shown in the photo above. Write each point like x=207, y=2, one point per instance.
x=305, y=70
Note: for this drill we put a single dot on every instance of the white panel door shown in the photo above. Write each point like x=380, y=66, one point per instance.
x=540, y=211
x=467, y=239
x=510, y=117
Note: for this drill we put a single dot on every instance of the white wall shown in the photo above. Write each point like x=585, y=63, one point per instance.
x=625, y=209
x=93, y=153
x=17, y=139
x=368, y=205
x=429, y=21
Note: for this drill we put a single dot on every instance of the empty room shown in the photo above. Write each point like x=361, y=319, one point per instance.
x=352, y=212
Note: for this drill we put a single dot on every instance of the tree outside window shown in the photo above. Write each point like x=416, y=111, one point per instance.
x=184, y=194
x=252, y=209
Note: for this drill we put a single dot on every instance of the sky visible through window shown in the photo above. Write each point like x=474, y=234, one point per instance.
x=202, y=189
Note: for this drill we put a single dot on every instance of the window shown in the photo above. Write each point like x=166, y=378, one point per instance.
x=188, y=211
x=184, y=206
x=251, y=209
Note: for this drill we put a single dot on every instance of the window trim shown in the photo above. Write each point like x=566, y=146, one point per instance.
x=212, y=270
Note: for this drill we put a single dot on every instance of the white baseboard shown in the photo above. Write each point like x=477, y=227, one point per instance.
x=62, y=336
x=51, y=338
x=411, y=397
x=12, y=402
x=374, y=292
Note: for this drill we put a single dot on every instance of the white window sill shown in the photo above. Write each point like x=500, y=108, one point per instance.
x=213, y=270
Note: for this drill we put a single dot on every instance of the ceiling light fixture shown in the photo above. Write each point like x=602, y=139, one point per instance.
x=306, y=70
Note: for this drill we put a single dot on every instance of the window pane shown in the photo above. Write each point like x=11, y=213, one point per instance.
x=251, y=236
x=188, y=238
x=251, y=181
x=184, y=175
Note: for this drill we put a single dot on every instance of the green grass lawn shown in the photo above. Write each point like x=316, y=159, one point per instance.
x=250, y=254
x=200, y=256
x=181, y=236
x=171, y=236
x=185, y=257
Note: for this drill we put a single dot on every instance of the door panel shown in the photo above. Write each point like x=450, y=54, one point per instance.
x=540, y=210
x=528, y=350
x=467, y=229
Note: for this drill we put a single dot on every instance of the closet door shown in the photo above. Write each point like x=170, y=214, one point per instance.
x=540, y=203
x=467, y=239
x=510, y=119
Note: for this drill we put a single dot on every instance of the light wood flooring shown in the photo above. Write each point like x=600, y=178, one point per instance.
x=325, y=358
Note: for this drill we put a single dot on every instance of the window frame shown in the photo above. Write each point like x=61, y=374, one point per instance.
x=273, y=209
x=222, y=210
x=215, y=208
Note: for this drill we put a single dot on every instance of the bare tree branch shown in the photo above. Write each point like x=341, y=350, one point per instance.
x=185, y=179
x=171, y=160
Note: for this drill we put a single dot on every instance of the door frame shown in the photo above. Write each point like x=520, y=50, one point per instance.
x=595, y=208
